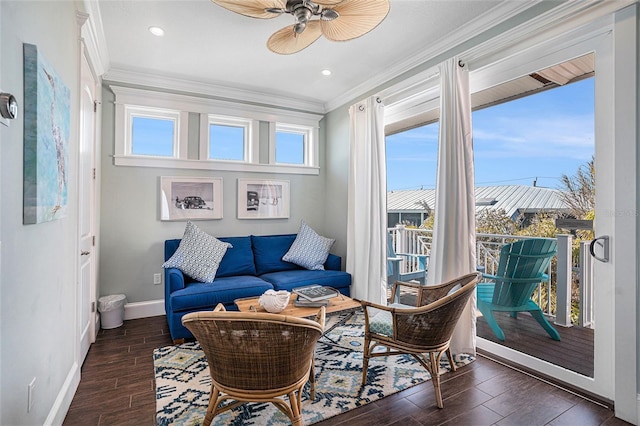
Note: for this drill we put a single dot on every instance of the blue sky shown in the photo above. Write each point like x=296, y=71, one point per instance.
x=542, y=136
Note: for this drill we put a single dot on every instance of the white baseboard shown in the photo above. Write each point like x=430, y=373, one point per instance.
x=151, y=308
x=63, y=401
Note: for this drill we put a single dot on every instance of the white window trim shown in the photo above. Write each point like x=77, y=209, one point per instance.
x=207, y=106
x=251, y=135
x=179, y=129
x=311, y=146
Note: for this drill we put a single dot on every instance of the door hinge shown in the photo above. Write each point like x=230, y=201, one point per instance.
x=93, y=241
x=95, y=106
x=94, y=173
x=93, y=307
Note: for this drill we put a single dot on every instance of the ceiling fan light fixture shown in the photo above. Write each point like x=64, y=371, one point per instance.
x=336, y=20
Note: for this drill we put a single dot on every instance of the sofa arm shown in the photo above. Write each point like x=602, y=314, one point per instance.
x=333, y=263
x=173, y=279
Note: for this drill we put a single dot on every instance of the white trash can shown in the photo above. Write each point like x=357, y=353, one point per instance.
x=111, y=310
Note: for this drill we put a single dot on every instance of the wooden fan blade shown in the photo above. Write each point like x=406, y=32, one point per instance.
x=286, y=41
x=357, y=17
x=252, y=8
x=327, y=2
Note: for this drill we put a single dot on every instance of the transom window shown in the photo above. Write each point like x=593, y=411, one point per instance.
x=153, y=132
x=290, y=147
x=174, y=131
x=229, y=138
x=293, y=144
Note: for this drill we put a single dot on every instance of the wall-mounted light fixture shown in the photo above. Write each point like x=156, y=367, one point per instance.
x=8, y=106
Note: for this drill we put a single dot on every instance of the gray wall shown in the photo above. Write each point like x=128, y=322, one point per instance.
x=38, y=287
x=132, y=236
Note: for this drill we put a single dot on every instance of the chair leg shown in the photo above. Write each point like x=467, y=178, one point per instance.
x=452, y=363
x=213, y=404
x=434, y=361
x=296, y=412
x=365, y=358
x=312, y=381
x=539, y=316
x=491, y=320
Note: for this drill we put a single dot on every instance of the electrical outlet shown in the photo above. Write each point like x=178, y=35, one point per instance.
x=30, y=395
x=157, y=279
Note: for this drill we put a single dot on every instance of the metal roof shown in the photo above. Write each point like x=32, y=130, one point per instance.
x=513, y=199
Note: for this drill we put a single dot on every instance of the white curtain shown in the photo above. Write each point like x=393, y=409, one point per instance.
x=453, y=251
x=367, y=205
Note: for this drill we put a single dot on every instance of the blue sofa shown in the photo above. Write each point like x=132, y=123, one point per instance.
x=253, y=266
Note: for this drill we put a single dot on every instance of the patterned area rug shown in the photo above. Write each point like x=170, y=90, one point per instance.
x=183, y=382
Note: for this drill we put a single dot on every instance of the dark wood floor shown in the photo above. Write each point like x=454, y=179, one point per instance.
x=117, y=388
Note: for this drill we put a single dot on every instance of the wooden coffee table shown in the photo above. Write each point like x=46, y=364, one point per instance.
x=338, y=304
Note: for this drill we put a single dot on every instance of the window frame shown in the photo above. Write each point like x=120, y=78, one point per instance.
x=250, y=143
x=310, y=147
x=132, y=112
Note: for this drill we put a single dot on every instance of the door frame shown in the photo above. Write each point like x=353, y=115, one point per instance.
x=89, y=50
x=86, y=73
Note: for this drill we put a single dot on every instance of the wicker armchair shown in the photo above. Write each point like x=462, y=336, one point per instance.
x=256, y=357
x=418, y=331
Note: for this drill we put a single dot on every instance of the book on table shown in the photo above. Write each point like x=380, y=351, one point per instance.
x=316, y=292
x=304, y=303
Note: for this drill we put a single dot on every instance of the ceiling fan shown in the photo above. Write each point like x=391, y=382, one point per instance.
x=337, y=20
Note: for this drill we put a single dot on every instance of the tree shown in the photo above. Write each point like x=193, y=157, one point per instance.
x=494, y=222
x=579, y=191
x=425, y=207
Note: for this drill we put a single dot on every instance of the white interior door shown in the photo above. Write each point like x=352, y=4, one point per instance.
x=86, y=202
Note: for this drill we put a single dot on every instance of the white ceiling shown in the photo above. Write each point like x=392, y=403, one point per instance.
x=207, y=44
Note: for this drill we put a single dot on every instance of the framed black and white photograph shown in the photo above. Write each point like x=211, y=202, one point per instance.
x=263, y=199
x=190, y=198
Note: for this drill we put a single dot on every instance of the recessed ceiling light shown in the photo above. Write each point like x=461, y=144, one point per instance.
x=326, y=72
x=156, y=31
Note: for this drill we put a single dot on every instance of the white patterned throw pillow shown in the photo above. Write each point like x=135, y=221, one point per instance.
x=309, y=249
x=198, y=255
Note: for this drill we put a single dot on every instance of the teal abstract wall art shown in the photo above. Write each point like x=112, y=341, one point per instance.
x=46, y=140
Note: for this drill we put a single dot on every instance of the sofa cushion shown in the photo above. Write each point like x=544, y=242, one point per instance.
x=288, y=280
x=225, y=290
x=238, y=260
x=198, y=255
x=268, y=251
x=309, y=249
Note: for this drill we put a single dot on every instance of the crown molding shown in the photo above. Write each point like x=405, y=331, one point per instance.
x=480, y=24
x=217, y=91
x=92, y=33
x=561, y=19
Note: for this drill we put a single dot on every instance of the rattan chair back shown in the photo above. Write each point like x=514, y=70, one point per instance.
x=256, y=357
x=431, y=326
x=255, y=351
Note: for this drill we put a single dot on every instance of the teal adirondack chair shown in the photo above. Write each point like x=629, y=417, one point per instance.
x=522, y=267
x=393, y=265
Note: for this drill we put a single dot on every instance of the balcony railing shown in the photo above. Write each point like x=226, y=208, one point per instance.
x=567, y=294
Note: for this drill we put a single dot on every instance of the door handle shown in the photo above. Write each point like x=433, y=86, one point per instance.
x=84, y=253
x=604, y=243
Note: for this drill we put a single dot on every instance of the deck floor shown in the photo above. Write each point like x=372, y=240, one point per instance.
x=574, y=351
